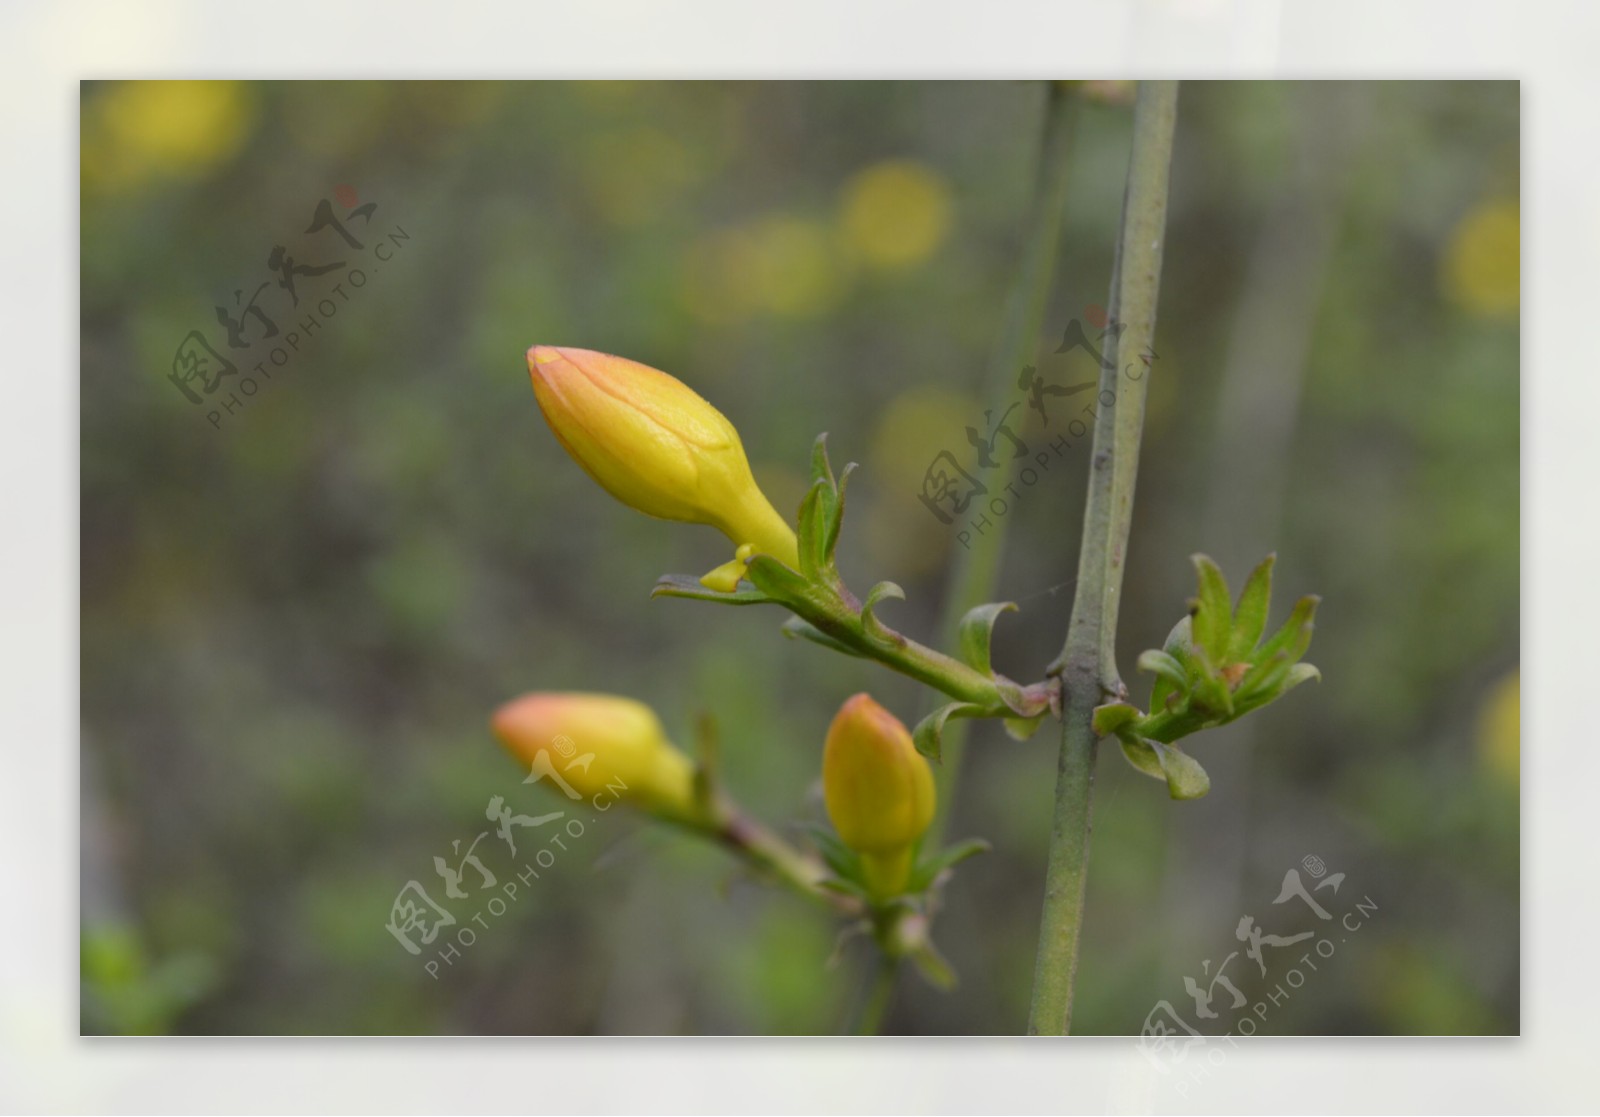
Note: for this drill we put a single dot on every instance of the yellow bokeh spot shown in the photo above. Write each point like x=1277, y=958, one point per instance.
x=140, y=130
x=1500, y=729
x=895, y=214
x=901, y=534
x=780, y=265
x=1482, y=269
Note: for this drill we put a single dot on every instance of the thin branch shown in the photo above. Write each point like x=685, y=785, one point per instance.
x=1087, y=665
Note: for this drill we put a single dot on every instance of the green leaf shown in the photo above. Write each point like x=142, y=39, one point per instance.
x=776, y=580
x=836, y=515
x=869, y=616
x=975, y=632
x=1300, y=673
x=928, y=734
x=821, y=470
x=799, y=626
x=1142, y=755
x=813, y=530
x=1020, y=729
x=928, y=871
x=1250, y=616
x=835, y=854
x=1213, y=615
x=931, y=965
x=686, y=585
x=1294, y=638
x=1114, y=718
x=1185, y=778
x=1164, y=665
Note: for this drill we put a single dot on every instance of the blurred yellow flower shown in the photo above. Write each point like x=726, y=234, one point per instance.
x=895, y=213
x=782, y=265
x=1500, y=729
x=917, y=424
x=627, y=751
x=878, y=790
x=653, y=443
x=1482, y=270
x=139, y=130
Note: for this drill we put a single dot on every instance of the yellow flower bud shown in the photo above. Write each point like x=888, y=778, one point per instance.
x=878, y=790
x=600, y=745
x=655, y=445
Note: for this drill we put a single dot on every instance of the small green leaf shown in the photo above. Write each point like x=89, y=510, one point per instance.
x=932, y=965
x=830, y=539
x=1164, y=665
x=928, y=734
x=1250, y=616
x=1185, y=778
x=776, y=580
x=812, y=528
x=799, y=626
x=928, y=871
x=684, y=585
x=821, y=470
x=1020, y=729
x=975, y=631
x=869, y=616
x=1213, y=614
x=1114, y=717
x=835, y=854
x=1294, y=638
x=1142, y=755
x=1300, y=673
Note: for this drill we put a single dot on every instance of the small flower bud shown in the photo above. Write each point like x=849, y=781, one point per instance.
x=878, y=791
x=600, y=745
x=655, y=445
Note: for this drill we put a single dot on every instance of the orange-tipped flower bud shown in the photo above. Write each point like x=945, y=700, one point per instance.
x=589, y=745
x=878, y=790
x=655, y=445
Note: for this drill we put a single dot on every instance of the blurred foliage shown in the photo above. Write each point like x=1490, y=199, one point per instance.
x=295, y=622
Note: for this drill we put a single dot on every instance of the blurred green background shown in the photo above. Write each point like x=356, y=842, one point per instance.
x=297, y=618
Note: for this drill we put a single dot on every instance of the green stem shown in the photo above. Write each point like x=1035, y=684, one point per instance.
x=767, y=851
x=875, y=1002
x=1087, y=664
x=977, y=567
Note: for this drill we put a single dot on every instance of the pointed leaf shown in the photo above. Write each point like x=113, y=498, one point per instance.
x=799, y=626
x=812, y=528
x=928, y=871
x=928, y=734
x=684, y=585
x=1250, y=616
x=1300, y=673
x=821, y=470
x=1295, y=636
x=931, y=965
x=1213, y=615
x=974, y=633
x=835, y=854
x=869, y=617
x=836, y=513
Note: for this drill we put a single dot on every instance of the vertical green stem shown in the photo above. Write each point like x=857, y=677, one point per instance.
x=1087, y=665
x=977, y=567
